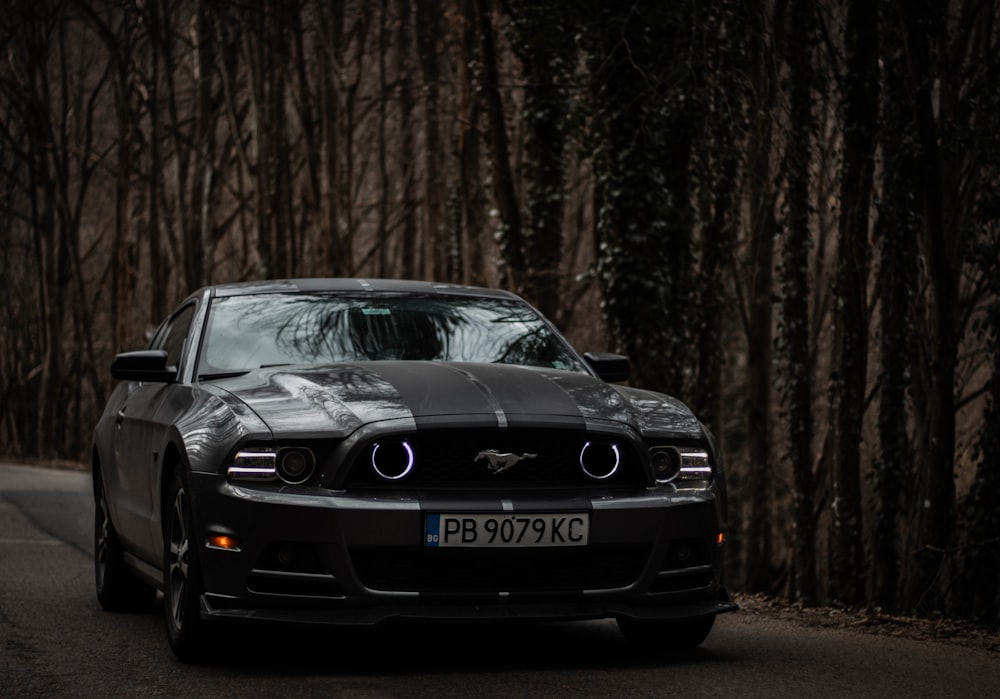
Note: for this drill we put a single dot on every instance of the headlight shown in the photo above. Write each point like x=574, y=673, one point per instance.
x=293, y=465
x=600, y=461
x=666, y=464
x=254, y=465
x=296, y=465
x=684, y=466
x=392, y=460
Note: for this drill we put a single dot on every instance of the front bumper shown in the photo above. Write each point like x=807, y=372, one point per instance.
x=309, y=555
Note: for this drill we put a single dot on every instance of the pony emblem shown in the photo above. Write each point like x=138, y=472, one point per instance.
x=498, y=462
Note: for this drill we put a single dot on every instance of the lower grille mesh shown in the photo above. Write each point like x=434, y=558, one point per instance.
x=478, y=571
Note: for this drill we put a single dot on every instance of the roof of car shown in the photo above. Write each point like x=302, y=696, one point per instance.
x=359, y=286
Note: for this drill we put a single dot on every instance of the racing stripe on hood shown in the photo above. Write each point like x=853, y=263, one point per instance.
x=338, y=399
x=504, y=391
x=488, y=395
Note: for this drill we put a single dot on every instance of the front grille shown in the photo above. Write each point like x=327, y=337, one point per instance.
x=483, y=571
x=447, y=459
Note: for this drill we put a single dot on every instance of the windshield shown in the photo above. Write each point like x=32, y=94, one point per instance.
x=247, y=332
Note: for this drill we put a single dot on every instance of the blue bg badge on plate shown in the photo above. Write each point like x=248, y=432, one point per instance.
x=432, y=530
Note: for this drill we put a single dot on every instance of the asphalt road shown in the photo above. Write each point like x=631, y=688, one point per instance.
x=56, y=642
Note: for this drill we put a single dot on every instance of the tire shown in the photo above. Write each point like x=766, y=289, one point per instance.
x=118, y=590
x=182, y=582
x=667, y=635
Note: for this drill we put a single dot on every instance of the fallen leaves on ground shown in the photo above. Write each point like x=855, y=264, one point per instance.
x=874, y=621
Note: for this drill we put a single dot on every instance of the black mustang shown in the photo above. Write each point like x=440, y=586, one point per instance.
x=352, y=451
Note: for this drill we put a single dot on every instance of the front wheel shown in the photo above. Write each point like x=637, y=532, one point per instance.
x=118, y=590
x=667, y=635
x=182, y=582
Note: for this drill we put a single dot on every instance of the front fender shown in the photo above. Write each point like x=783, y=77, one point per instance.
x=200, y=429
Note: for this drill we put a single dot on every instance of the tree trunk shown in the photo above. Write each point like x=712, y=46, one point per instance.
x=125, y=272
x=510, y=235
x=850, y=359
x=933, y=516
x=757, y=534
x=543, y=40
x=428, y=24
x=335, y=260
x=795, y=305
x=897, y=233
x=409, y=230
x=469, y=153
x=382, y=221
x=158, y=273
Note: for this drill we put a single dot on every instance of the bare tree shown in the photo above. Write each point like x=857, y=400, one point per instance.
x=428, y=30
x=468, y=109
x=510, y=234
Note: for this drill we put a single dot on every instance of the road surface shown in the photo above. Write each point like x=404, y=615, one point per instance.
x=56, y=642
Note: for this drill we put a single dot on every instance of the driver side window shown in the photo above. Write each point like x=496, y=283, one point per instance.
x=172, y=339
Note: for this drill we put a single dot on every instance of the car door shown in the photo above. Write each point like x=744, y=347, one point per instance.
x=137, y=440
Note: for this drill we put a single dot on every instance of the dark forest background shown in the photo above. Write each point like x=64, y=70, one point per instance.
x=786, y=212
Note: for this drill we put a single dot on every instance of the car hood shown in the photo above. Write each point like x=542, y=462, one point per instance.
x=337, y=399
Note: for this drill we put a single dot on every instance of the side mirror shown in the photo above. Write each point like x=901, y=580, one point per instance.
x=144, y=365
x=610, y=367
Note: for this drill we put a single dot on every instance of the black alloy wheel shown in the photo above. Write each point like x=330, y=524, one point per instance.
x=182, y=585
x=118, y=590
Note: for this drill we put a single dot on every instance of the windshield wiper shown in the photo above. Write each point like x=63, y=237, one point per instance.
x=223, y=375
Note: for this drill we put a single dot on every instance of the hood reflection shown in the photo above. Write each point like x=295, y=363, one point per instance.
x=338, y=399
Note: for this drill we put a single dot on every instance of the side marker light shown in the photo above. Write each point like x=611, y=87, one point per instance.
x=226, y=543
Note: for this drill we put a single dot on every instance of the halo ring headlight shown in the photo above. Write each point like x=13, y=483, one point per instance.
x=392, y=461
x=600, y=461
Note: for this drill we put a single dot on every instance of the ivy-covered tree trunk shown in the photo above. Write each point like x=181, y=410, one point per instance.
x=980, y=577
x=543, y=37
x=757, y=571
x=979, y=544
x=718, y=156
x=641, y=145
x=796, y=352
x=896, y=236
x=850, y=358
x=933, y=510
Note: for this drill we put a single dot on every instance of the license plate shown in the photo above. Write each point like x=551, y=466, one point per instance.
x=503, y=530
